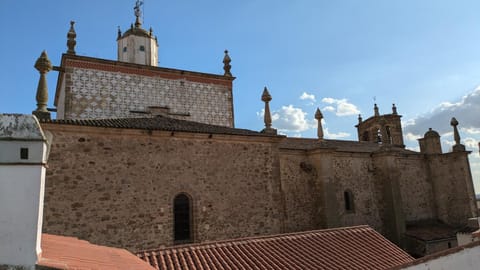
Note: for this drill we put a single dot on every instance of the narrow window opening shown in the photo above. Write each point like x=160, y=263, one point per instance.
x=389, y=135
x=142, y=48
x=124, y=49
x=349, y=205
x=23, y=153
x=449, y=245
x=182, y=219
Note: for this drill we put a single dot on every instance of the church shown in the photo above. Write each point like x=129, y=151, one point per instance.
x=143, y=156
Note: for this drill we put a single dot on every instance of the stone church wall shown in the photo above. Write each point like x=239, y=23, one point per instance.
x=453, y=187
x=302, y=193
x=353, y=172
x=116, y=187
x=415, y=188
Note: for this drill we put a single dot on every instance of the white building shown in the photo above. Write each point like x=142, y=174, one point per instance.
x=23, y=157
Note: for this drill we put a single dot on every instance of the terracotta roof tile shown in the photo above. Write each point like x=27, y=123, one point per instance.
x=344, y=248
x=63, y=252
x=157, y=123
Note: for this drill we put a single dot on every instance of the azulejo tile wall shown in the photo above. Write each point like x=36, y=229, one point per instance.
x=95, y=94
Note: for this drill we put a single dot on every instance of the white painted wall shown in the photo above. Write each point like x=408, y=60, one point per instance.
x=22, y=185
x=21, y=211
x=465, y=238
x=466, y=259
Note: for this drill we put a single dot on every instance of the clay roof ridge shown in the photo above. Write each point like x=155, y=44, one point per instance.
x=249, y=239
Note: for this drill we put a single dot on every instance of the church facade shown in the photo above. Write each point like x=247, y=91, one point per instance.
x=144, y=156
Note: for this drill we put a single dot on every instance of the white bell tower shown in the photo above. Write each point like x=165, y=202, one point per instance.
x=137, y=45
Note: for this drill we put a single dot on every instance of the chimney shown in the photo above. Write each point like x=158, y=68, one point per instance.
x=22, y=182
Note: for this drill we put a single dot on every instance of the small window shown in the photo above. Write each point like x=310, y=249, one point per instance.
x=348, y=198
x=23, y=153
x=124, y=49
x=142, y=48
x=449, y=245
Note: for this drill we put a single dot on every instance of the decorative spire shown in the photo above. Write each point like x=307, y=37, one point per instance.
x=394, y=109
x=138, y=13
x=227, y=66
x=458, y=147
x=360, y=118
x=43, y=65
x=375, y=109
x=267, y=118
x=151, y=31
x=71, y=42
x=319, y=117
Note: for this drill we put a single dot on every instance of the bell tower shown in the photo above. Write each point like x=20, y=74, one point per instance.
x=137, y=45
x=384, y=129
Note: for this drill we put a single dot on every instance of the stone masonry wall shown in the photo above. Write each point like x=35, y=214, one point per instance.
x=303, y=210
x=94, y=94
x=354, y=172
x=453, y=187
x=416, y=188
x=116, y=187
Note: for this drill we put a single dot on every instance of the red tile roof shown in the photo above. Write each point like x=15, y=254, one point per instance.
x=343, y=248
x=61, y=252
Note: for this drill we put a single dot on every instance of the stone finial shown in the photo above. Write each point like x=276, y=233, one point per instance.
x=43, y=65
x=319, y=117
x=150, y=32
x=266, y=97
x=71, y=36
x=226, y=64
x=375, y=109
x=456, y=136
x=119, y=35
x=360, y=118
x=267, y=118
x=394, y=109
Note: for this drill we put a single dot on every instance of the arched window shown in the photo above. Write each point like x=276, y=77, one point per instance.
x=349, y=203
x=182, y=219
x=389, y=134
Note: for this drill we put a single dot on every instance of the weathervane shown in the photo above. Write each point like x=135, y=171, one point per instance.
x=137, y=11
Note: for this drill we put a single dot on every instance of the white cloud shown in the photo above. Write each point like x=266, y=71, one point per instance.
x=306, y=96
x=466, y=111
x=471, y=143
x=343, y=107
x=328, y=100
x=472, y=130
x=335, y=136
x=412, y=137
x=261, y=113
x=291, y=119
x=328, y=109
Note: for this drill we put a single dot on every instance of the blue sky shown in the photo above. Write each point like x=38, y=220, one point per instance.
x=335, y=55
